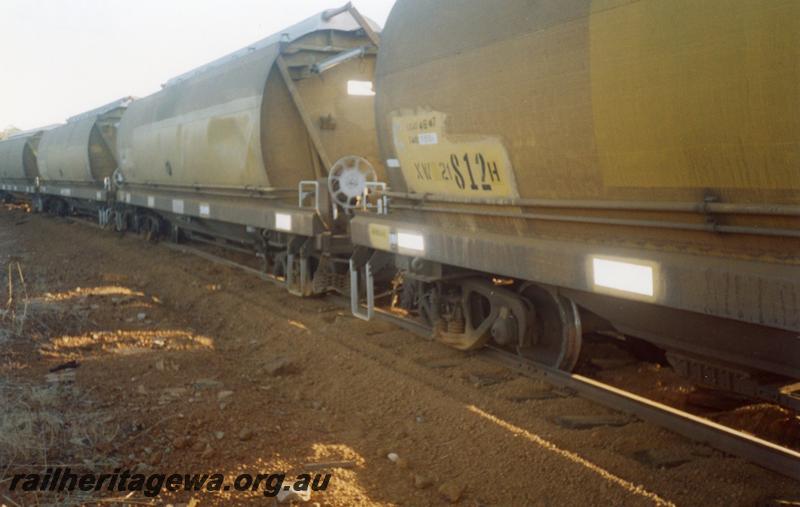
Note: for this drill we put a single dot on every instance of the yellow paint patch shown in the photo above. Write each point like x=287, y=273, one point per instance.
x=379, y=236
x=691, y=93
x=434, y=162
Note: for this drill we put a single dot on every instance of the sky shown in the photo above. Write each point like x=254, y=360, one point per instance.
x=64, y=57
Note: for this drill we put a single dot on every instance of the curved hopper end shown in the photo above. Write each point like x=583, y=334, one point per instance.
x=341, y=19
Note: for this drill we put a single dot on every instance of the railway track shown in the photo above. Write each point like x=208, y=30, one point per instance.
x=756, y=450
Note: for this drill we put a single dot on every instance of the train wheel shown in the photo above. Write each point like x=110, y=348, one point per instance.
x=556, y=340
x=481, y=312
x=59, y=208
x=120, y=220
x=152, y=229
x=38, y=204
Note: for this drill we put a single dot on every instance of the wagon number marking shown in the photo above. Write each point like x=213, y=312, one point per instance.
x=473, y=166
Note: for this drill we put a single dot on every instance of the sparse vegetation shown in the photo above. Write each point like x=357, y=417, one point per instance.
x=48, y=423
x=8, y=132
x=15, y=312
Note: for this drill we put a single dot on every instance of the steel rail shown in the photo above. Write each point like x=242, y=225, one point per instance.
x=728, y=440
x=222, y=261
x=753, y=449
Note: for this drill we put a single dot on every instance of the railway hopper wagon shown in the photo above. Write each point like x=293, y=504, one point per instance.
x=565, y=167
x=244, y=152
x=76, y=161
x=18, y=165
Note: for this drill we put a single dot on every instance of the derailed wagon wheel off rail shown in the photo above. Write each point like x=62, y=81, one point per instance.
x=348, y=179
x=556, y=338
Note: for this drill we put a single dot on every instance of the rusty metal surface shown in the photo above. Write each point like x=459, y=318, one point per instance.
x=232, y=124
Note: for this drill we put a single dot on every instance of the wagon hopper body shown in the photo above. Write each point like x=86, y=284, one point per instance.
x=554, y=168
x=18, y=166
x=222, y=150
x=636, y=161
x=76, y=161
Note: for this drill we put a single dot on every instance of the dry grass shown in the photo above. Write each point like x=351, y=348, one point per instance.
x=23, y=316
x=52, y=425
x=14, y=314
x=49, y=423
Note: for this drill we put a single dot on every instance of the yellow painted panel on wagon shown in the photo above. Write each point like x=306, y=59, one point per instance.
x=689, y=93
x=380, y=236
x=436, y=162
